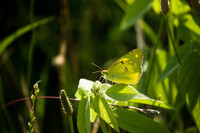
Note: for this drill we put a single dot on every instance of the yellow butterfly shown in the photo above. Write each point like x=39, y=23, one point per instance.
x=127, y=69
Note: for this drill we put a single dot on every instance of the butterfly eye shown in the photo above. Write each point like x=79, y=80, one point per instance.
x=125, y=69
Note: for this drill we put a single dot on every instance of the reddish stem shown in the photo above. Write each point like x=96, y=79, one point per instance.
x=26, y=98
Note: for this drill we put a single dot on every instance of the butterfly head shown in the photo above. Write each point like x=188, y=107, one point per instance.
x=104, y=72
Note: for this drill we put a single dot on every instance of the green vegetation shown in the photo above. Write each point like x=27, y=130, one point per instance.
x=56, y=42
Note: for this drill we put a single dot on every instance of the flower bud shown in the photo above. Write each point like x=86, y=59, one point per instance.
x=66, y=105
x=164, y=5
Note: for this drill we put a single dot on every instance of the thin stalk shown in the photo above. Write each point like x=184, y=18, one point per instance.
x=173, y=43
x=32, y=44
x=36, y=90
x=71, y=124
x=103, y=126
x=154, y=52
x=26, y=98
x=6, y=114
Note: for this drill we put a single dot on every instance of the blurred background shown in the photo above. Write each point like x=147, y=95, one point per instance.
x=56, y=42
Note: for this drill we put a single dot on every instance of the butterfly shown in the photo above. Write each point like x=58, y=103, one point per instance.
x=127, y=69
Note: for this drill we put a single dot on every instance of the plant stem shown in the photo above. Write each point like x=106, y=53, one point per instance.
x=154, y=53
x=71, y=124
x=32, y=43
x=103, y=126
x=32, y=110
x=173, y=43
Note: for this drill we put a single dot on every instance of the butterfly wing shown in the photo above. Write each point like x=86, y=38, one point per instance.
x=127, y=69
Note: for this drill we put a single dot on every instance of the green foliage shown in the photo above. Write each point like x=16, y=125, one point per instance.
x=59, y=50
x=137, y=9
x=101, y=95
x=104, y=111
x=135, y=122
x=21, y=31
x=141, y=98
x=189, y=83
x=121, y=92
x=83, y=117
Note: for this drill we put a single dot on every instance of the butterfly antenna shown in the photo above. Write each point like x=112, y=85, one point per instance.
x=97, y=71
x=96, y=66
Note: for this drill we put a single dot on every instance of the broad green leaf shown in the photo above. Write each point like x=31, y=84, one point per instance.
x=129, y=2
x=21, y=31
x=189, y=79
x=173, y=64
x=104, y=111
x=156, y=6
x=134, y=12
x=134, y=122
x=105, y=86
x=191, y=24
x=141, y=98
x=121, y=92
x=162, y=89
x=175, y=7
x=188, y=29
x=80, y=93
x=85, y=84
x=93, y=114
x=83, y=117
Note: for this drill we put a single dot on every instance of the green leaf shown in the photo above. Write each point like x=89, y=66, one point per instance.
x=85, y=84
x=105, y=86
x=104, y=111
x=173, y=64
x=134, y=122
x=188, y=29
x=121, y=92
x=84, y=87
x=156, y=6
x=83, y=117
x=21, y=31
x=80, y=93
x=141, y=98
x=175, y=7
x=156, y=89
x=136, y=11
x=189, y=79
x=93, y=114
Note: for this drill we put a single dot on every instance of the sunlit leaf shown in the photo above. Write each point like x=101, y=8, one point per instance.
x=134, y=12
x=188, y=29
x=105, y=112
x=159, y=90
x=85, y=84
x=175, y=7
x=141, y=98
x=134, y=122
x=83, y=117
x=80, y=93
x=93, y=114
x=189, y=79
x=121, y=92
x=173, y=63
x=156, y=6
